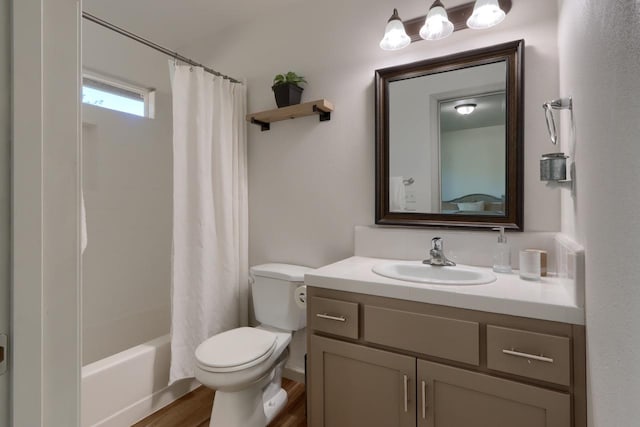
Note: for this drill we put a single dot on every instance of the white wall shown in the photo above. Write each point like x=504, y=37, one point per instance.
x=128, y=194
x=473, y=162
x=311, y=182
x=5, y=190
x=599, y=46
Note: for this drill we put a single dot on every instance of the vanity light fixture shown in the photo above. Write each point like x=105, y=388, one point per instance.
x=486, y=14
x=437, y=25
x=395, y=36
x=465, y=109
x=441, y=22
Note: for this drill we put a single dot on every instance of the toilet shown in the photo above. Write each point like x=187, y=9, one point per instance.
x=244, y=365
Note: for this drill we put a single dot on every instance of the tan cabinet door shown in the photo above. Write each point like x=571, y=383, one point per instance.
x=452, y=397
x=354, y=386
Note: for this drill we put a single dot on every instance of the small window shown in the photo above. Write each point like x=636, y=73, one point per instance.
x=118, y=96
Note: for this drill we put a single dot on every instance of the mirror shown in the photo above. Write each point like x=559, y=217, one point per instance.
x=449, y=140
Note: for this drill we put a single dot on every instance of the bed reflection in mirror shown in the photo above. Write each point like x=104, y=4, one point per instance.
x=447, y=142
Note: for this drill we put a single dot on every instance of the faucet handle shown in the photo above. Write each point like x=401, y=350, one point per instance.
x=436, y=243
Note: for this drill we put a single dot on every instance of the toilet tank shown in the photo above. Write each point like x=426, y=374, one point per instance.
x=273, y=292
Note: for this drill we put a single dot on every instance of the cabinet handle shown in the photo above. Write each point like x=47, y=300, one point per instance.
x=527, y=356
x=329, y=317
x=424, y=400
x=406, y=394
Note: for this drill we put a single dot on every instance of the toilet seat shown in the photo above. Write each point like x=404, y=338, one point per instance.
x=235, y=350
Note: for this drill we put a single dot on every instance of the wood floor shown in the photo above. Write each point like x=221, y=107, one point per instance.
x=194, y=409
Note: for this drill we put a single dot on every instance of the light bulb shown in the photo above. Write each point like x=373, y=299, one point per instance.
x=486, y=14
x=437, y=25
x=395, y=36
x=465, y=109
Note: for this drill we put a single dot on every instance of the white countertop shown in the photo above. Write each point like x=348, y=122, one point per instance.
x=549, y=299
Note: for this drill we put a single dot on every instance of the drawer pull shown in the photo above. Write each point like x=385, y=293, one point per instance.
x=528, y=356
x=329, y=317
x=406, y=394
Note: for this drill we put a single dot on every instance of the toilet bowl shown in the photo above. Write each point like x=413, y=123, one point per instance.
x=244, y=365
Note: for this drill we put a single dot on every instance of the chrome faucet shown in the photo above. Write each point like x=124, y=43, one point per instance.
x=438, y=259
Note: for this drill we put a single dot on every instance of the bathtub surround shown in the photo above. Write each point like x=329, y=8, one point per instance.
x=124, y=157
x=210, y=240
x=127, y=188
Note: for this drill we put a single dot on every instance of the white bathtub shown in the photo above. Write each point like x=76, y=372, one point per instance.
x=124, y=388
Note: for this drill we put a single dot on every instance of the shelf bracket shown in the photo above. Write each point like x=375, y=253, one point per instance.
x=324, y=115
x=263, y=125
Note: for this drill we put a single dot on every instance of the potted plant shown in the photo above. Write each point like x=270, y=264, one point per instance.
x=286, y=88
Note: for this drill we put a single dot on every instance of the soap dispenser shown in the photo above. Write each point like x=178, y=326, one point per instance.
x=502, y=253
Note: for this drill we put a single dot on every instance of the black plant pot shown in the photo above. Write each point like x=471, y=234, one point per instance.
x=287, y=94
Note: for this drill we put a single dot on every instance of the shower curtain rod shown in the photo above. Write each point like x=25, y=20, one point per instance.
x=152, y=45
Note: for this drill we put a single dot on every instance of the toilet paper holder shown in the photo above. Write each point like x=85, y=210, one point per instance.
x=553, y=167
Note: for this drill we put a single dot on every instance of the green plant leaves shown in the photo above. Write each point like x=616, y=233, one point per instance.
x=290, y=77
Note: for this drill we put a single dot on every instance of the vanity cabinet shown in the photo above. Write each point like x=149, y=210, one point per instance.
x=376, y=361
x=361, y=386
x=453, y=397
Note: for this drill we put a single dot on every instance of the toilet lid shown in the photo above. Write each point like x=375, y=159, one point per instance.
x=288, y=272
x=236, y=349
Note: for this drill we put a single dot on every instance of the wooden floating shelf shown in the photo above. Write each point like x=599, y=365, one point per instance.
x=321, y=107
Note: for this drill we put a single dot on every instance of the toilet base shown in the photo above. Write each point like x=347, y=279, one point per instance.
x=238, y=408
x=230, y=408
x=273, y=406
x=254, y=406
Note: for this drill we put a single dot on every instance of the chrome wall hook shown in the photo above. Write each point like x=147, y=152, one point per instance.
x=556, y=104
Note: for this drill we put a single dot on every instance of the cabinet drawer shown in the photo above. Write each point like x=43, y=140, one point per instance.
x=333, y=316
x=436, y=336
x=529, y=354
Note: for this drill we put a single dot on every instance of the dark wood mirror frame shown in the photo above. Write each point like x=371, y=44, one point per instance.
x=513, y=54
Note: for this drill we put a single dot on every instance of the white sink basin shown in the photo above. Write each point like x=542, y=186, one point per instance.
x=416, y=271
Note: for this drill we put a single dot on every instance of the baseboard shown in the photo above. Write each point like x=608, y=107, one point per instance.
x=293, y=375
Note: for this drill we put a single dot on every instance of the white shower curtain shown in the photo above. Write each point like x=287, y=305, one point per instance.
x=210, y=227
